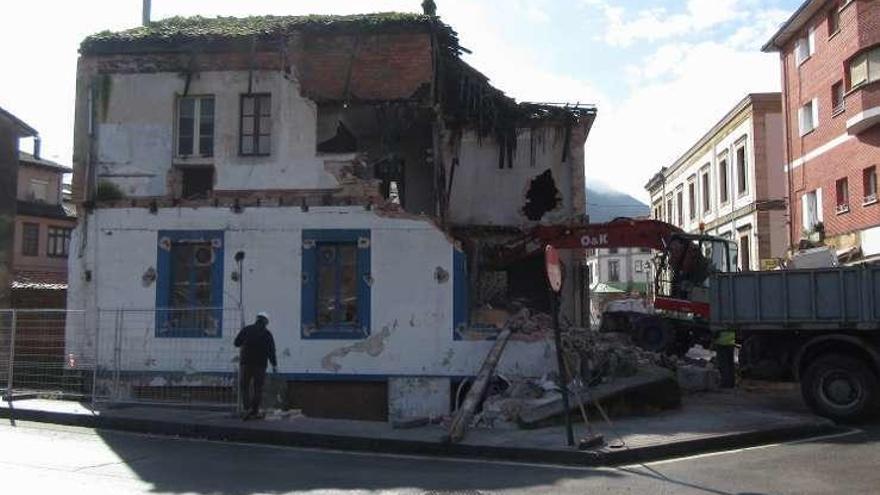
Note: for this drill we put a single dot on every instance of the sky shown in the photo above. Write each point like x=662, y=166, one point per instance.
x=661, y=72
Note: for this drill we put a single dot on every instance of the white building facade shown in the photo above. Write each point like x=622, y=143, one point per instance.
x=232, y=184
x=731, y=183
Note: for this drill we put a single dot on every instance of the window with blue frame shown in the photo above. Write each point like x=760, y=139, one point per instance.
x=336, y=284
x=189, y=287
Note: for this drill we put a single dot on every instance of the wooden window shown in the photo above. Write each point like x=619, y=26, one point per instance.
x=613, y=270
x=869, y=181
x=189, y=287
x=722, y=181
x=255, y=133
x=842, y=195
x=59, y=242
x=833, y=20
x=30, y=239
x=679, y=204
x=707, y=192
x=742, y=178
x=864, y=68
x=692, y=201
x=838, y=101
x=745, y=253
x=336, y=284
x=195, y=126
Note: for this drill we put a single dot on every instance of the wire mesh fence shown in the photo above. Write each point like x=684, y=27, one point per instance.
x=164, y=356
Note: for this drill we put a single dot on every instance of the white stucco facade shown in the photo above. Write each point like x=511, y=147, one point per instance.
x=731, y=183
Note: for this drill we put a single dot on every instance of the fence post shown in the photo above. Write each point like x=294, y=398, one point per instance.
x=97, y=354
x=9, y=382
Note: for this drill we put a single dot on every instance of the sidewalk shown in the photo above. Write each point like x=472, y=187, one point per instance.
x=706, y=422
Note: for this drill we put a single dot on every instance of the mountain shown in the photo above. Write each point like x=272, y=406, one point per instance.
x=605, y=204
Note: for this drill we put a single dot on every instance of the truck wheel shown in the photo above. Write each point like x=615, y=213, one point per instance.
x=840, y=387
x=655, y=335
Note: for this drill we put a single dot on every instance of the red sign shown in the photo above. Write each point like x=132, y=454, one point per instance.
x=554, y=268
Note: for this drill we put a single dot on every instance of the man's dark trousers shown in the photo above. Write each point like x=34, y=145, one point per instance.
x=251, y=383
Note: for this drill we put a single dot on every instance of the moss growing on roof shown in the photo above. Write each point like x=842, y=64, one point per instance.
x=184, y=29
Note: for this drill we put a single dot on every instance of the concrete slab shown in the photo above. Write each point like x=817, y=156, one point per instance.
x=706, y=422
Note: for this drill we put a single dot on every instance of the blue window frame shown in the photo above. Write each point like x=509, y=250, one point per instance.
x=336, y=284
x=189, y=286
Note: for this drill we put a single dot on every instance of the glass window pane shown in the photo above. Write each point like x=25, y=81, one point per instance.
x=206, y=146
x=265, y=105
x=858, y=70
x=247, y=126
x=247, y=145
x=264, y=145
x=874, y=65
x=265, y=125
x=326, y=297
x=348, y=284
x=247, y=105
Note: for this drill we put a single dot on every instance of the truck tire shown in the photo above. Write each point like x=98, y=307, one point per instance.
x=840, y=387
x=654, y=334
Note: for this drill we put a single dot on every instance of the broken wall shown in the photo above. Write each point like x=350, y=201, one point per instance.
x=411, y=307
x=544, y=182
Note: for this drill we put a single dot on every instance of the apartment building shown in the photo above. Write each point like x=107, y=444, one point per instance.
x=830, y=57
x=43, y=227
x=730, y=183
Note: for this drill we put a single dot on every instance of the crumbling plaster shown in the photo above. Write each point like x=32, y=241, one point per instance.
x=135, y=132
x=411, y=311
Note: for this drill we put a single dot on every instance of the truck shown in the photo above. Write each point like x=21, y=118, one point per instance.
x=820, y=327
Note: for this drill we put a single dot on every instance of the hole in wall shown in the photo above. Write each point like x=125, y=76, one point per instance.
x=542, y=197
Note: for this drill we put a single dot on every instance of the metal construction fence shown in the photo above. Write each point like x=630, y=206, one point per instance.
x=164, y=356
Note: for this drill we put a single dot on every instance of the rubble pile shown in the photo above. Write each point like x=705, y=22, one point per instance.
x=600, y=357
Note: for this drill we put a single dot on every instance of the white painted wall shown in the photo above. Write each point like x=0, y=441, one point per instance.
x=411, y=312
x=484, y=194
x=135, y=138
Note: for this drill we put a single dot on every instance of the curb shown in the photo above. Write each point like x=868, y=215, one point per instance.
x=606, y=457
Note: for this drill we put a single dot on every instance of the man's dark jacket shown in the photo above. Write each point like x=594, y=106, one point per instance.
x=257, y=346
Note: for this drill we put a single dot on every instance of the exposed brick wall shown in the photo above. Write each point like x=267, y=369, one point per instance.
x=382, y=66
x=814, y=78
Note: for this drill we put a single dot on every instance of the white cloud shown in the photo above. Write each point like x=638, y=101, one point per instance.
x=657, y=23
x=661, y=118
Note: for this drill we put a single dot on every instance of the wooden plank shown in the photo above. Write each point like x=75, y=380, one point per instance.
x=465, y=413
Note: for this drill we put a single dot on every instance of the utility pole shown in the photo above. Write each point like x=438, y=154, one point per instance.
x=145, y=20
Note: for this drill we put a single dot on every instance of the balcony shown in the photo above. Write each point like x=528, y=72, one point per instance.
x=863, y=103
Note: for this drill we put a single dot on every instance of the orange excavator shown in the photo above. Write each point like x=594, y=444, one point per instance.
x=679, y=307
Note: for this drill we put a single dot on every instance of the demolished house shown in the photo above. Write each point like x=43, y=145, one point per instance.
x=351, y=175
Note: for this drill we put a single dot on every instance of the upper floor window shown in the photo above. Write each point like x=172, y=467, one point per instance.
x=679, y=204
x=59, y=242
x=842, y=195
x=805, y=46
x=692, y=201
x=723, y=185
x=742, y=179
x=195, y=126
x=255, y=133
x=808, y=116
x=30, y=239
x=707, y=193
x=838, y=101
x=864, y=68
x=613, y=270
x=869, y=180
x=833, y=20
x=669, y=209
x=38, y=190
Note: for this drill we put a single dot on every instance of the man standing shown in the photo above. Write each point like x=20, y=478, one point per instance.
x=257, y=347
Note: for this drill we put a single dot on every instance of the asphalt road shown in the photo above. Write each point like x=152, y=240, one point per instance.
x=47, y=459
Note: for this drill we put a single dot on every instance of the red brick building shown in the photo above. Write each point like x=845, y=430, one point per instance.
x=830, y=55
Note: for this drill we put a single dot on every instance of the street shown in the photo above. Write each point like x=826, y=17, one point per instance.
x=41, y=458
